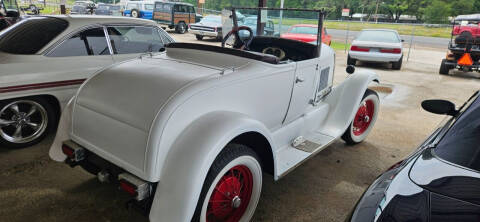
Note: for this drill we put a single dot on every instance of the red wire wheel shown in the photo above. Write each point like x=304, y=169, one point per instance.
x=231, y=195
x=364, y=117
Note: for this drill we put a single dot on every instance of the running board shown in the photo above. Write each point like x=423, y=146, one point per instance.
x=301, y=149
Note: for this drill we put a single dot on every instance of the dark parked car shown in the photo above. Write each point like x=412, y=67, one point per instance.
x=440, y=181
x=210, y=26
x=251, y=22
x=106, y=9
x=175, y=15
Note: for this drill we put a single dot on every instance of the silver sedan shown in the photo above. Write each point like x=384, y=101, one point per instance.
x=377, y=45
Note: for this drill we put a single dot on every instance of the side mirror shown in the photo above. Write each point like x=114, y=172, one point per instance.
x=403, y=40
x=442, y=107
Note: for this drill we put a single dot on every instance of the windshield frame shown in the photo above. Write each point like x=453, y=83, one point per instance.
x=260, y=29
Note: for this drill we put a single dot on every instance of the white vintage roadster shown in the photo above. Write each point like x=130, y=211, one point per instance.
x=189, y=132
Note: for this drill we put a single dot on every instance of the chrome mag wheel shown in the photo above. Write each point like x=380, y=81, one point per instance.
x=22, y=121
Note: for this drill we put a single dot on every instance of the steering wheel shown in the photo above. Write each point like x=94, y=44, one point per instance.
x=239, y=43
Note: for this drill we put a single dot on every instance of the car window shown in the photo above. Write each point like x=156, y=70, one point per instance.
x=103, y=7
x=149, y=7
x=136, y=39
x=378, y=36
x=212, y=19
x=131, y=6
x=181, y=8
x=88, y=42
x=191, y=9
x=164, y=36
x=461, y=144
x=29, y=36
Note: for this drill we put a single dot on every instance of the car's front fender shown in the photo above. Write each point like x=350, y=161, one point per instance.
x=189, y=160
x=345, y=100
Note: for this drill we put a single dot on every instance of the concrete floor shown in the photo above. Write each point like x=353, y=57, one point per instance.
x=325, y=188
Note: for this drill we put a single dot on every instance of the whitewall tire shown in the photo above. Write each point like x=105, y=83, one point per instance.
x=364, y=119
x=232, y=188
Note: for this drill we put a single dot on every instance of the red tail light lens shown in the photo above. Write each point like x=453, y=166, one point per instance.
x=394, y=51
x=68, y=151
x=128, y=187
x=359, y=49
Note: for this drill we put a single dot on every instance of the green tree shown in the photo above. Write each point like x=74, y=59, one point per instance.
x=460, y=7
x=437, y=12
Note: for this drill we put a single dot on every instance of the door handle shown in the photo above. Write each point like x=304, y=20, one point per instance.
x=299, y=79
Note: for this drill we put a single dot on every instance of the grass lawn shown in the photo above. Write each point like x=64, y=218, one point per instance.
x=403, y=29
x=336, y=45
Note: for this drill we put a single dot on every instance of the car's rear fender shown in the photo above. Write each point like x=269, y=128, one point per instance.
x=189, y=159
x=345, y=100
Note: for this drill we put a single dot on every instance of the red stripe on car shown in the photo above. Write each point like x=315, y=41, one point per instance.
x=41, y=85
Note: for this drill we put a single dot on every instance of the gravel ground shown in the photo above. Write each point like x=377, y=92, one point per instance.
x=325, y=188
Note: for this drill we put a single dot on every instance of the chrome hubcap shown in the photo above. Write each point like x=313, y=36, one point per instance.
x=22, y=121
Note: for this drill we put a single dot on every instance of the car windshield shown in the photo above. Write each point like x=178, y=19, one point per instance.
x=461, y=144
x=81, y=3
x=30, y=35
x=10, y=4
x=276, y=22
x=212, y=19
x=378, y=36
x=304, y=30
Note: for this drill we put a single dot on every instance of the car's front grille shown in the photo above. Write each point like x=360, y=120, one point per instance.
x=202, y=28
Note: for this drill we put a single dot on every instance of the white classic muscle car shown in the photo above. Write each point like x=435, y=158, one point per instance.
x=43, y=61
x=189, y=132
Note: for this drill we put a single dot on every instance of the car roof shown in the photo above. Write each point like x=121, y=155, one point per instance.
x=175, y=3
x=76, y=21
x=386, y=30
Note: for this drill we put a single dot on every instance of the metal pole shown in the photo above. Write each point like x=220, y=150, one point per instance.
x=281, y=17
x=346, y=39
x=411, y=43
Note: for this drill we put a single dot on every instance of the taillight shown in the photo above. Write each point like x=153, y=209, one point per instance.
x=68, y=151
x=73, y=151
x=394, y=51
x=359, y=49
x=136, y=187
x=129, y=188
